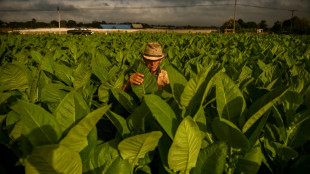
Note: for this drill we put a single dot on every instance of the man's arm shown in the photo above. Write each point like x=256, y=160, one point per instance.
x=126, y=85
x=135, y=78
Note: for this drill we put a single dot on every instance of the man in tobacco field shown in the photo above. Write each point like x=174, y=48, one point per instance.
x=152, y=57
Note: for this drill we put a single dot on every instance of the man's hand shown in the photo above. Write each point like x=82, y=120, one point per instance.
x=136, y=78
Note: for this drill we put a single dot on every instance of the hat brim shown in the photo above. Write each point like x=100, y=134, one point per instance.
x=154, y=58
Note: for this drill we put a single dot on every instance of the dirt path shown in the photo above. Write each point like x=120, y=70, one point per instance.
x=64, y=30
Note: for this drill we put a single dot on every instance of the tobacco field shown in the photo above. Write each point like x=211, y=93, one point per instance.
x=235, y=104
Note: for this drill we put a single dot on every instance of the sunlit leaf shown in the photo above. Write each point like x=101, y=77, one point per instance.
x=136, y=147
x=53, y=159
x=185, y=148
x=76, y=139
x=162, y=113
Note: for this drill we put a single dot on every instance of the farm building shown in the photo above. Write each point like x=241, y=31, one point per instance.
x=137, y=26
x=260, y=30
x=104, y=26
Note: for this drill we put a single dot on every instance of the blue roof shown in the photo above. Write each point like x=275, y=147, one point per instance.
x=104, y=26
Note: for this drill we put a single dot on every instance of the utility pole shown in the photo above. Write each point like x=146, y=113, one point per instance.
x=58, y=20
x=235, y=17
x=292, y=20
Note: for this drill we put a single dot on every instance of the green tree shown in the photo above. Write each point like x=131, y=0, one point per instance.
x=63, y=23
x=54, y=23
x=230, y=25
x=71, y=24
x=300, y=26
x=95, y=24
x=263, y=24
x=277, y=27
x=251, y=24
x=241, y=23
x=33, y=23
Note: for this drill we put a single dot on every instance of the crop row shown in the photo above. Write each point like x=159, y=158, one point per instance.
x=235, y=104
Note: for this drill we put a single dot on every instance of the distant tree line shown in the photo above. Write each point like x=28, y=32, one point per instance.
x=294, y=25
x=53, y=24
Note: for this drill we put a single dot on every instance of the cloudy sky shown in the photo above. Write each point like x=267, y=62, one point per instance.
x=163, y=12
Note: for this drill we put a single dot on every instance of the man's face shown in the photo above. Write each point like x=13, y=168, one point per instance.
x=152, y=64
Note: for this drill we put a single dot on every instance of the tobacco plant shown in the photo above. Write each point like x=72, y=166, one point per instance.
x=235, y=104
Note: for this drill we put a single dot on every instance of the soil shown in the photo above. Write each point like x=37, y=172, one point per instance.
x=106, y=31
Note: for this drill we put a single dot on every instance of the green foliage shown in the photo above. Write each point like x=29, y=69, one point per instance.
x=76, y=137
x=137, y=146
x=13, y=76
x=235, y=104
x=149, y=84
x=185, y=148
x=211, y=159
x=53, y=159
x=162, y=113
x=229, y=99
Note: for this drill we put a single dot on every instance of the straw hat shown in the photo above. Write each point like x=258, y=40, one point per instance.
x=153, y=51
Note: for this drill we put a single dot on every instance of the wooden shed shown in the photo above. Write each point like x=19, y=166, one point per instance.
x=137, y=26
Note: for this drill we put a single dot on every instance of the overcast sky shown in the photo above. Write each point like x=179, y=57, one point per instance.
x=163, y=12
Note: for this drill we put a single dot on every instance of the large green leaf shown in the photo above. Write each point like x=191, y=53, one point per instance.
x=47, y=63
x=136, y=120
x=17, y=130
x=198, y=88
x=119, y=122
x=76, y=138
x=192, y=87
x=162, y=113
x=230, y=133
x=136, y=147
x=103, y=92
x=229, y=99
x=81, y=76
x=185, y=147
x=279, y=122
x=99, y=63
x=53, y=159
x=54, y=93
x=4, y=97
x=255, y=134
x=119, y=166
x=12, y=118
x=39, y=126
x=285, y=153
x=259, y=107
x=251, y=161
x=245, y=76
x=177, y=82
x=149, y=84
x=114, y=82
x=64, y=73
x=124, y=99
x=291, y=101
x=106, y=159
x=269, y=74
x=13, y=76
x=71, y=109
x=298, y=132
x=88, y=152
x=211, y=159
x=200, y=119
